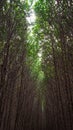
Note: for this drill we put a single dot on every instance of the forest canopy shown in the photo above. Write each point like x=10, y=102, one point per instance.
x=36, y=65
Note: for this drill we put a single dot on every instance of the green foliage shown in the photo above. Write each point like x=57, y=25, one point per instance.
x=36, y=62
x=32, y=57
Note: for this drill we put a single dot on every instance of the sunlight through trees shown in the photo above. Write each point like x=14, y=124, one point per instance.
x=36, y=65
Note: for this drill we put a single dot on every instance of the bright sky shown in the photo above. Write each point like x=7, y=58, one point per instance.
x=32, y=17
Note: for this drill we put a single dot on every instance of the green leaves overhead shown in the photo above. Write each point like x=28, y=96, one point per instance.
x=52, y=18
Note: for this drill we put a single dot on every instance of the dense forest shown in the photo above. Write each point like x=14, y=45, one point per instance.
x=36, y=64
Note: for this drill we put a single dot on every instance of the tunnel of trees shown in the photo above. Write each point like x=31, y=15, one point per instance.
x=36, y=64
